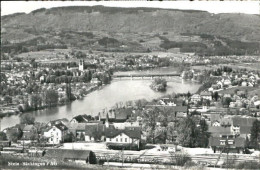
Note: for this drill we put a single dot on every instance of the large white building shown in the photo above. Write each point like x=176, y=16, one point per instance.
x=55, y=134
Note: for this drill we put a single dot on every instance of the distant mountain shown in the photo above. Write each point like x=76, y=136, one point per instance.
x=110, y=21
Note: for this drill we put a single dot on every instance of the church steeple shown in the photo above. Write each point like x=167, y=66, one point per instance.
x=81, y=65
x=107, y=121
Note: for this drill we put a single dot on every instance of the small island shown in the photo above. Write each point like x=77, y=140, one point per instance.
x=159, y=84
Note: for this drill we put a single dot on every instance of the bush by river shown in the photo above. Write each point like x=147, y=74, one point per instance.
x=159, y=84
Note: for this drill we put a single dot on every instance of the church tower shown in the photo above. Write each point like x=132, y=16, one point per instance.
x=81, y=65
x=107, y=121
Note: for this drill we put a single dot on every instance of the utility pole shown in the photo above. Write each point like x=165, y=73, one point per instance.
x=122, y=157
x=227, y=146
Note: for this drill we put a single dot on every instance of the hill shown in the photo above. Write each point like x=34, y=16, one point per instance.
x=136, y=29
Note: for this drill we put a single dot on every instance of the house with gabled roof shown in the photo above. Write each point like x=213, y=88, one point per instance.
x=230, y=144
x=64, y=121
x=82, y=119
x=29, y=134
x=195, y=98
x=217, y=131
x=116, y=115
x=170, y=102
x=110, y=134
x=97, y=132
x=206, y=95
x=85, y=156
x=55, y=134
x=176, y=112
x=131, y=135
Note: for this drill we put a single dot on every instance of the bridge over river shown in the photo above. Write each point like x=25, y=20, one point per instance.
x=148, y=75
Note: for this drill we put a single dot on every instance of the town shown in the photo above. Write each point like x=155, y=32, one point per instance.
x=81, y=88
x=221, y=118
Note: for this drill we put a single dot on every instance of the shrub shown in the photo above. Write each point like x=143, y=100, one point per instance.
x=181, y=158
x=248, y=165
x=122, y=146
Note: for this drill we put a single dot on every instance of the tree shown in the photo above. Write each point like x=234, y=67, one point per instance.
x=3, y=136
x=171, y=132
x=180, y=158
x=51, y=98
x=14, y=134
x=226, y=101
x=163, y=117
x=202, y=135
x=215, y=95
x=159, y=84
x=69, y=137
x=68, y=91
x=27, y=119
x=8, y=99
x=36, y=101
x=186, y=130
x=150, y=117
x=97, y=134
x=255, y=134
x=188, y=94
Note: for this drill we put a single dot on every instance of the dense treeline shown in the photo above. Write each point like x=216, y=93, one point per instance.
x=221, y=46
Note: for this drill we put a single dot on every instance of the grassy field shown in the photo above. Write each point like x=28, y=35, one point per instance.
x=44, y=54
x=248, y=66
x=255, y=92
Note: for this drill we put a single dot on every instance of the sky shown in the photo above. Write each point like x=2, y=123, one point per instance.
x=247, y=7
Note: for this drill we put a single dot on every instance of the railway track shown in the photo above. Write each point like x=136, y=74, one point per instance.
x=162, y=157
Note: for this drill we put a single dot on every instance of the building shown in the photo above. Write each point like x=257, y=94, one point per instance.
x=195, y=98
x=95, y=81
x=206, y=95
x=108, y=133
x=125, y=124
x=29, y=134
x=84, y=156
x=81, y=65
x=116, y=115
x=130, y=135
x=64, y=121
x=216, y=123
x=217, y=131
x=55, y=134
x=227, y=143
x=82, y=119
x=170, y=102
x=78, y=129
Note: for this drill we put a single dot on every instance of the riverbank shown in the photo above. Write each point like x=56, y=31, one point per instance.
x=105, y=97
x=12, y=109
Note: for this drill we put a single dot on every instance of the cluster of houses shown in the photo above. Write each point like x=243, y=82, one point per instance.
x=234, y=79
x=22, y=75
x=229, y=131
x=110, y=127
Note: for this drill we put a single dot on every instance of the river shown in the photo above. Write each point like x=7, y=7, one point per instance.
x=117, y=91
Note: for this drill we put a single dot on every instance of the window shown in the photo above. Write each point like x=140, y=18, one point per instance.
x=110, y=139
x=117, y=139
x=121, y=139
x=230, y=142
x=125, y=139
x=51, y=139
